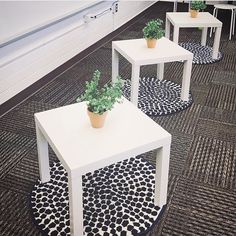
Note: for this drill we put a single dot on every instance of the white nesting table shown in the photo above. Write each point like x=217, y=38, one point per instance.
x=204, y=20
x=80, y=148
x=137, y=53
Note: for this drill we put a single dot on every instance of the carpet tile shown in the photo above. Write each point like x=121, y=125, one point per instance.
x=213, y=162
x=196, y=209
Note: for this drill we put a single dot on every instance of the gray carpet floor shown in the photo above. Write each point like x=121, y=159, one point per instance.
x=202, y=177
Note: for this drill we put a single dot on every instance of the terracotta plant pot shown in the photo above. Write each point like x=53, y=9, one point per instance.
x=97, y=120
x=193, y=13
x=151, y=43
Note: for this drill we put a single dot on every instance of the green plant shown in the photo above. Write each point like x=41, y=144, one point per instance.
x=197, y=5
x=153, y=29
x=101, y=99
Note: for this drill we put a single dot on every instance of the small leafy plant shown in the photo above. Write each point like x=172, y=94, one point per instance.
x=101, y=99
x=153, y=29
x=197, y=5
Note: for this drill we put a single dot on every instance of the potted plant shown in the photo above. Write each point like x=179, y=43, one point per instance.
x=153, y=31
x=100, y=99
x=195, y=7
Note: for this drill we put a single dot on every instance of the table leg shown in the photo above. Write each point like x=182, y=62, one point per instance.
x=115, y=64
x=167, y=28
x=176, y=34
x=175, y=6
x=216, y=43
x=234, y=21
x=160, y=71
x=161, y=177
x=186, y=80
x=212, y=28
x=42, y=146
x=204, y=36
x=231, y=24
x=135, y=84
x=75, y=203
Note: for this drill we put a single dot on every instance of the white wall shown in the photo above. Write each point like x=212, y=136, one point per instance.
x=33, y=55
x=18, y=18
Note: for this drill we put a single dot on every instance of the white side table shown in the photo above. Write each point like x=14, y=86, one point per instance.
x=80, y=148
x=231, y=8
x=204, y=20
x=137, y=53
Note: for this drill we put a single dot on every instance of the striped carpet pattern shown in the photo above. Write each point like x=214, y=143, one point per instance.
x=202, y=177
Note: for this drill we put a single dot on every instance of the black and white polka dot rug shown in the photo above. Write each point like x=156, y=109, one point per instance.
x=201, y=54
x=118, y=200
x=158, y=97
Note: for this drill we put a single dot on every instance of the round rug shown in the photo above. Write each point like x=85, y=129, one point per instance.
x=201, y=54
x=158, y=97
x=117, y=200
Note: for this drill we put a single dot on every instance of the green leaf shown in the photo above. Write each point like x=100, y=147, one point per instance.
x=153, y=29
x=101, y=99
x=197, y=5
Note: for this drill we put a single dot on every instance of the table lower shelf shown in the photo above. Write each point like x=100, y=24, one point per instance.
x=117, y=200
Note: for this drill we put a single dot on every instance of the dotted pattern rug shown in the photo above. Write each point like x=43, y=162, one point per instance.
x=117, y=200
x=158, y=97
x=201, y=54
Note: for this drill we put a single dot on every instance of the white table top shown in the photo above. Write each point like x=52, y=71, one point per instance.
x=225, y=6
x=183, y=19
x=127, y=132
x=137, y=52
